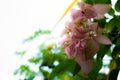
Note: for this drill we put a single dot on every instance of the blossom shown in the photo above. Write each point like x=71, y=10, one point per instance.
x=94, y=40
x=96, y=11
x=83, y=36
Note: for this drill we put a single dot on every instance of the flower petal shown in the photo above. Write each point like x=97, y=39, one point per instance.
x=101, y=9
x=90, y=12
x=92, y=25
x=102, y=40
x=83, y=6
x=91, y=48
x=75, y=14
x=86, y=65
x=70, y=51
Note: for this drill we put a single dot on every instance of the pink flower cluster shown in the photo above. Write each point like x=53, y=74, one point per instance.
x=83, y=36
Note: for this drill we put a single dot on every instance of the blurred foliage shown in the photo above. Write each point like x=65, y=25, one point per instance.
x=37, y=33
x=53, y=63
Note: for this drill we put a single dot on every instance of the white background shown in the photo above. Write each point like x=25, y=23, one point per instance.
x=18, y=20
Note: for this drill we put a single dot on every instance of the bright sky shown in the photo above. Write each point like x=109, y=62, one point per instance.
x=18, y=20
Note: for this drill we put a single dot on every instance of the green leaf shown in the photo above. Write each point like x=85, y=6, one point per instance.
x=117, y=21
x=101, y=22
x=113, y=74
x=118, y=62
x=111, y=12
x=117, y=6
x=67, y=65
x=116, y=51
x=24, y=69
x=45, y=73
x=118, y=41
x=102, y=1
x=89, y=1
x=97, y=66
x=76, y=70
x=37, y=33
x=34, y=60
x=21, y=53
x=110, y=25
x=103, y=50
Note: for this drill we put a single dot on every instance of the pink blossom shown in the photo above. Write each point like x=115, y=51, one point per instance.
x=96, y=11
x=83, y=37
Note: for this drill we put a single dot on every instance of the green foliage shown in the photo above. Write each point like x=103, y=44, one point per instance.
x=22, y=53
x=37, y=33
x=103, y=50
x=117, y=6
x=97, y=1
x=111, y=12
x=110, y=25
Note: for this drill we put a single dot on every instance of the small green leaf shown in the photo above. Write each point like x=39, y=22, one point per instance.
x=117, y=6
x=103, y=50
x=37, y=33
x=110, y=25
x=111, y=12
x=34, y=60
x=101, y=22
x=21, y=53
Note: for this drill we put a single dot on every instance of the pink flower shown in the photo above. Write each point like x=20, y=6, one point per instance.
x=86, y=65
x=96, y=11
x=83, y=37
x=94, y=40
x=77, y=14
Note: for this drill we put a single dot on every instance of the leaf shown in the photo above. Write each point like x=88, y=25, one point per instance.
x=110, y=25
x=102, y=1
x=34, y=60
x=36, y=34
x=116, y=51
x=115, y=73
x=103, y=50
x=21, y=53
x=101, y=22
x=97, y=66
x=111, y=12
x=117, y=6
x=76, y=70
x=118, y=62
x=45, y=73
x=89, y=1
x=67, y=65
x=117, y=21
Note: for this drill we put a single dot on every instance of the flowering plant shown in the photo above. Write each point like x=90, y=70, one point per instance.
x=83, y=36
x=89, y=39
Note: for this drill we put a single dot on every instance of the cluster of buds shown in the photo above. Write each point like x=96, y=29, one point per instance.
x=83, y=36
